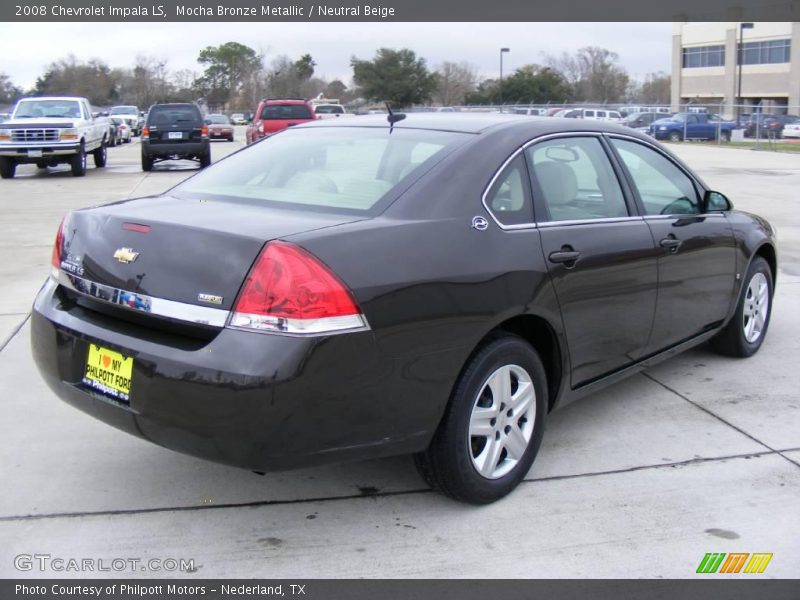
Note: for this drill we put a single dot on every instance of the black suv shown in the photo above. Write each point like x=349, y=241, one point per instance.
x=175, y=131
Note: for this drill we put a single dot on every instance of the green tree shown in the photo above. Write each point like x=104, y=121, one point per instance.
x=304, y=67
x=396, y=76
x=529, y=84
x=226, y=68
x=9, y=93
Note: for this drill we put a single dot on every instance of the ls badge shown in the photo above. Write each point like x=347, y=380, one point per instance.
x=125, y=255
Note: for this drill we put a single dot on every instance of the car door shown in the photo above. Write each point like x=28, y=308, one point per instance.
x=600, y=256
x=697, y=261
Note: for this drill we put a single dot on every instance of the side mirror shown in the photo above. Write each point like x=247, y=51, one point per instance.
x=716, y=202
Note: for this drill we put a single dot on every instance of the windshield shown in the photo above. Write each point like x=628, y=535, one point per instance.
x=218, y=119
x=124, y=110
x=338, y=169
x=31, y=109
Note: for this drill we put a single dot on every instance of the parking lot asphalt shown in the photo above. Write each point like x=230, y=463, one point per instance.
x=699, y=454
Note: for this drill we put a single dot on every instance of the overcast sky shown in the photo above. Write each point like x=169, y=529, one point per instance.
x=30, y=47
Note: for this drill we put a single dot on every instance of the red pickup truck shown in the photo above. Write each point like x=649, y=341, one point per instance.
x=276, y=114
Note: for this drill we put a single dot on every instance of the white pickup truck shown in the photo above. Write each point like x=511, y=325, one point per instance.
x=49, y=130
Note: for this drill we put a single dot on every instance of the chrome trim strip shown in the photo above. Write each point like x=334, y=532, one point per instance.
x=590, y=221
x=205, y=315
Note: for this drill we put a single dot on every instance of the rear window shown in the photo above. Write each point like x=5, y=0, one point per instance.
x=218, y=119
x=171, y=115
x=332, y=169
x=274, y=112
x=329, y=109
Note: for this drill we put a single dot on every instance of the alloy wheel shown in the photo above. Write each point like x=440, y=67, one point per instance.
x=502, y=420
x=756, y=307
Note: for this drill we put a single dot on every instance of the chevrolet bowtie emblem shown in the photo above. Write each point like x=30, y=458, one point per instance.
x=125, y=255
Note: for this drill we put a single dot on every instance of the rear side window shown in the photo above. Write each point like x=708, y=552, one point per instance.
x=173, y=115
x=334, y=169
x=285, y=112
x=508, y=198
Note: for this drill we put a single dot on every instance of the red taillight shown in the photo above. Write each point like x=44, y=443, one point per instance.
x=289, y=290
x=58, y=245
x=145, y=133
x=204, y=131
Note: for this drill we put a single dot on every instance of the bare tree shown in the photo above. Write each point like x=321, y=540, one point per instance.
x=453, y=82
x=593, y=73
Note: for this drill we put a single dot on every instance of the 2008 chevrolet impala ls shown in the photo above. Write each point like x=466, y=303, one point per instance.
x=434, y=285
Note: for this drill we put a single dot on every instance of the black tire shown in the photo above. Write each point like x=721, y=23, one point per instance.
x=726, y=136
x=147, y=162
x=7, y=168
x=78, y=162
x=205, y=159
x=449, y=464
x=732, y=340
x=100, y=156
x=41, y=165
x=675, y=136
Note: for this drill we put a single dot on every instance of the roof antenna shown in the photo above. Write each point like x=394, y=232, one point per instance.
x=393, y=117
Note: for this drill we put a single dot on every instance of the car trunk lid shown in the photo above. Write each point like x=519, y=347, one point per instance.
x=186, y=251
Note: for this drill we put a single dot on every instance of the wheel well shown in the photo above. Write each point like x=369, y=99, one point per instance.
x=767, y=252
x=539, y=334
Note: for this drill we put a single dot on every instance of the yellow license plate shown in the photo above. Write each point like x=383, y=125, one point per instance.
x=109, y=372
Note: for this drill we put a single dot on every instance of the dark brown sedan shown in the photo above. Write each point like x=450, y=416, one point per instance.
x=432, y=285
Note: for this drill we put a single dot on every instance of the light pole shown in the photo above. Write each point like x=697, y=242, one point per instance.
x=502, y=51
x=739, y=56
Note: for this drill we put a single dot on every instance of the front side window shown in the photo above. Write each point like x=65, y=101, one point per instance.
x=332, y=169
x=663, y=188
x=575, y=180
x=508, y=197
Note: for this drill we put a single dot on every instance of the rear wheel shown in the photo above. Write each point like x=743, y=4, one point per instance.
x=147, y=162
x=745, y=332
x=78, y=162
x=726, y=136
x=100, y=156
x=493, y=425
x=205, y=159
x=7, y=168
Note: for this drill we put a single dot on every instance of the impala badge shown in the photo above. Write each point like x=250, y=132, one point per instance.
x=125, y=255
x=479, y=223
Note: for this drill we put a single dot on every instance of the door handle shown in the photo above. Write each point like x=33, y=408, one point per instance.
x=671, y=243
x=566, y=255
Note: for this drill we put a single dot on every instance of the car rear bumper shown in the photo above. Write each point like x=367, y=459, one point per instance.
x=257, y=401
x=168, y=149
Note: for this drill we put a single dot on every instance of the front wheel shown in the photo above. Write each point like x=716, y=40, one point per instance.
x=492, y=427
x=7, y=168
x=675, y=136
x=78, y=162
x=745, y=332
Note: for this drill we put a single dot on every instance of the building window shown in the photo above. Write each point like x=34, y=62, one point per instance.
x=704, y=56
x=765, y=53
